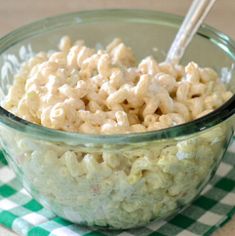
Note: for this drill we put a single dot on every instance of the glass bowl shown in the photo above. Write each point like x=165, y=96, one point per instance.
x=117, y=181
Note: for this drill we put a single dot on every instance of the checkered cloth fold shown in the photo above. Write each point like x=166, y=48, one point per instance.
x=215, y=206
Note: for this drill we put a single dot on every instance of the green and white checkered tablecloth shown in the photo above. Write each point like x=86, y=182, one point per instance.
x=215, y=206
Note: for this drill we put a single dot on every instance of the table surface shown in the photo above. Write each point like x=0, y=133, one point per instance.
x=14, y=14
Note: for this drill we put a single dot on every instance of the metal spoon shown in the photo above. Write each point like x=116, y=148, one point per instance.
x=192, y=21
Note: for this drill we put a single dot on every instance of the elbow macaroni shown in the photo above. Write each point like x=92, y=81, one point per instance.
x=107, y=81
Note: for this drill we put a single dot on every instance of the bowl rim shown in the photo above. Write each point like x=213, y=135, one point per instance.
x=219, y=115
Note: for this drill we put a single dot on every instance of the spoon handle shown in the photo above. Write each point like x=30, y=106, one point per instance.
x=192, y=21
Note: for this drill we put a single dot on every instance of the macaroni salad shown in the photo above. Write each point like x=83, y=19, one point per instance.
x=79, y=89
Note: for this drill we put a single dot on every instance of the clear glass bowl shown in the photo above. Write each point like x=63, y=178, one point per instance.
x=118, y=181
